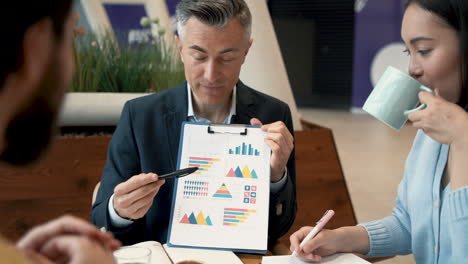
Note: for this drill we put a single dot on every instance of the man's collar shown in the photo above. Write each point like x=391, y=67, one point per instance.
x=191, y=113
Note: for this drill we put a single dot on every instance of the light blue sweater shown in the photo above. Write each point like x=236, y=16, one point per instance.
x=428, y=220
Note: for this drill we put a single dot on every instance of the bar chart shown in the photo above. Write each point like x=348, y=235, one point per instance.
x=236, y=216
x=245, y=150
x=203, y=164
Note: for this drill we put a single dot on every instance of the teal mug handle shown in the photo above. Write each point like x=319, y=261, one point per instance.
x=423, y=106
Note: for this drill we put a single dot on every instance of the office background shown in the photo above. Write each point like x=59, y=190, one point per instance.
x=335, y=48
x=335, y=53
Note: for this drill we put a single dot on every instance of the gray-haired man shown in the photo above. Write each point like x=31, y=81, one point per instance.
x=213, y=41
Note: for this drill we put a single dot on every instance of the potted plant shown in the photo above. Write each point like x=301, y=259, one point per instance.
x=109, y=72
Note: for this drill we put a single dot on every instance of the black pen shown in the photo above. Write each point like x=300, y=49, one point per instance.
x=179, y=173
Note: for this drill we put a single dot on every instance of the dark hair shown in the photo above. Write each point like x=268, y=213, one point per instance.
x=17, y=17
x=455, y=14
x=215, y=13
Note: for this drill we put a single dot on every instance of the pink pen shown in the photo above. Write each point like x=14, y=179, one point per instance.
x=320, y=224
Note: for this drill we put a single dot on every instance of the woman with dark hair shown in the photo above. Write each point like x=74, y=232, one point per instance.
x=430, y=218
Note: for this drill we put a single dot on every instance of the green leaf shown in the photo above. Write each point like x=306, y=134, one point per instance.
x=103, y=66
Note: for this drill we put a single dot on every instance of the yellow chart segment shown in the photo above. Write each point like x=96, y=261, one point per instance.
x=203, y=164
x=201, y=219
x=246, y=172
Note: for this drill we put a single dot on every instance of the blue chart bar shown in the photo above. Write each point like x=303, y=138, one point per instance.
x=199, y=162
x=235, y=213
x=232, y=220
x=245, y=150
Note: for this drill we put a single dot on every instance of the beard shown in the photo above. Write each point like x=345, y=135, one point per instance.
x=30, y=131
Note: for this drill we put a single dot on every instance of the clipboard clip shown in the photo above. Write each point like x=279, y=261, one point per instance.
x=227, y=129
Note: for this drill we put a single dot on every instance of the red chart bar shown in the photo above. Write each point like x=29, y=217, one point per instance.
x=230, y=216
x=196, y=158
x=236, y=210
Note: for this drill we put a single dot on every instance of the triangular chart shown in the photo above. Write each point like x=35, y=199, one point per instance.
x=199, y=220
x=223, y=192
x=245, y=173
x=192, y=219
x=185, y=220
x=231, y=173
x=239, y=172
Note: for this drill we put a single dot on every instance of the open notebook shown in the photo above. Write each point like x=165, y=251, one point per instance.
x=342, y=258
x=163, y=254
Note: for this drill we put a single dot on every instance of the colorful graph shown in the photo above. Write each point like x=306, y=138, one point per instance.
x=195, y=189
x=203, y=164
x=250, y=194
x=245, y=173
x=245, y=150
x=199, y=220
x=223, y=192
x=236, y=216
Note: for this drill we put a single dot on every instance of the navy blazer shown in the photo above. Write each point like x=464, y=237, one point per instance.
x=147, y=140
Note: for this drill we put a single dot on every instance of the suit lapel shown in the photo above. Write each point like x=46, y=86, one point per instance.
x=174, y=116
x=245, y=105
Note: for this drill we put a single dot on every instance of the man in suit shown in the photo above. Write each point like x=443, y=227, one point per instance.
x=36, y=68
x=213, y=41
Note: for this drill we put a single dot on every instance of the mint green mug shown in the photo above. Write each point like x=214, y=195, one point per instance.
x=394, y=96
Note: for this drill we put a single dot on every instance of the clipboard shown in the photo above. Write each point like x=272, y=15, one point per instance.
x=224, y=205
x=228, y=129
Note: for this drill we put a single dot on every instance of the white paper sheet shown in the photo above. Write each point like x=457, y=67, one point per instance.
x=204, y=256
x=225, y=204
x=343, y=258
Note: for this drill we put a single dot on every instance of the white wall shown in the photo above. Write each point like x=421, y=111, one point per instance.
x=264, y=69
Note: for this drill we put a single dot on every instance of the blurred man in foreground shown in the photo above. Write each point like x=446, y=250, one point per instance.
x=35, y=69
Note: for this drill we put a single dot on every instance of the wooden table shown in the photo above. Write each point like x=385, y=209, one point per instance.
x=250, y=259
x=32, y=196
